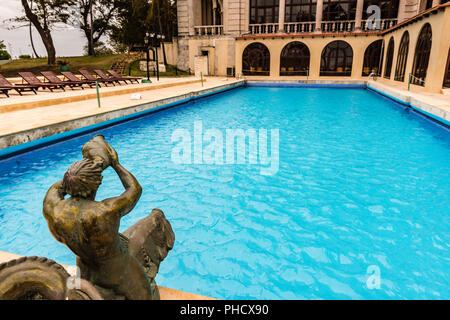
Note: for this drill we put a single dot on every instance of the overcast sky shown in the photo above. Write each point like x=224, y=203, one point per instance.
x=68, y=41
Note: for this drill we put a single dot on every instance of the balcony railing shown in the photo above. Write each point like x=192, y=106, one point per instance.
x=326, y=26
x=376, y=25
x=338, y=26
x=208, y=30
x=263, y=28
x=299, y=27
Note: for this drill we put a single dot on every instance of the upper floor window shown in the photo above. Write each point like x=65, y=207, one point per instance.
x=264, y=11
x=300, y=10
x=339, y=10
x=389, y=9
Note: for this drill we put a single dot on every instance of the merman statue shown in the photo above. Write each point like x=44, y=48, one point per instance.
x=120, y=266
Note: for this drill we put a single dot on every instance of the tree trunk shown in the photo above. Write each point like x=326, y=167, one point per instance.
x=44, y=33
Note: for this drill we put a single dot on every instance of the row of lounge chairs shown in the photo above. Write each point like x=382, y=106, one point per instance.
x=52, y=81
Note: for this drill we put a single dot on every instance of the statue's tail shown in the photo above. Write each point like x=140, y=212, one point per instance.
x=150, y=240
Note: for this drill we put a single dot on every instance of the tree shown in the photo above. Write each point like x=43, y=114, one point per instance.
x=2, y=45
x=136, y=17
x=96, y=19
x=44, y=15
x=132, y=23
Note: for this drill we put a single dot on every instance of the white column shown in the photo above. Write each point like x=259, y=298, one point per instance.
x=281, y=11
x=359, y=14
x=319, y=12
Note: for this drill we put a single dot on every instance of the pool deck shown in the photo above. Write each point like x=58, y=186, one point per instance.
x=434, y=105
x=30, y=117
x=165, y=293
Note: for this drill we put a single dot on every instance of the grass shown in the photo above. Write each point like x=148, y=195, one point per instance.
x=36, y=65
x=170, y=71
x=103, y=62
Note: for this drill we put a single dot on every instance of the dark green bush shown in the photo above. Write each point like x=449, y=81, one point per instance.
x=4, y=55
x=24, y=56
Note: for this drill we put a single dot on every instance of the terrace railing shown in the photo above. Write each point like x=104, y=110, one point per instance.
x=208, y=30
x=263, y=28
x=326, y=26
x=299, y=27
x=338, y=26
x=381, y=24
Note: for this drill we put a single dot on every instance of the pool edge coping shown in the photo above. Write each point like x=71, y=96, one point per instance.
x=170, y=102
x=131, y=113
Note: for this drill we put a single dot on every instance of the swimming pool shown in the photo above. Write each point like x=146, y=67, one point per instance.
x=362, y=183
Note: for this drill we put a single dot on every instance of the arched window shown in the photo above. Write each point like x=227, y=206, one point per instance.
x=389, y=59
x=446, y=83
x=337, y=59
x=256, y=60
x=373, y=58
x=422, y=55
x=294, y=59
x=402, y=57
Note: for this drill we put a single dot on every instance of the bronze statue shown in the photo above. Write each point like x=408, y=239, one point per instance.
x=118, y=265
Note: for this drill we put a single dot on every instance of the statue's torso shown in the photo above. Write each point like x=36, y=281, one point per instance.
x=86, y=228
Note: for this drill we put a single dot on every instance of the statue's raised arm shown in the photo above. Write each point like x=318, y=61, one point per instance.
x=116, y=264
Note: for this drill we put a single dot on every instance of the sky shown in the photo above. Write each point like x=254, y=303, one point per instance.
x=68, y=40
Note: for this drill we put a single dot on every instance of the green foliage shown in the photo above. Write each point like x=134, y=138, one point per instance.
x=136, y=17
x=24, y=56
x=4, y=55
x=104, y=17
x=2, y=45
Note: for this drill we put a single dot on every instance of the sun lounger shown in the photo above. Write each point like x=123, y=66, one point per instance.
x=5, y=91
x=30, y=78
x=5, y=84
x=118, y=76
x=73, y=78
x=88, y=76
x=104, y=76
x=53, y=78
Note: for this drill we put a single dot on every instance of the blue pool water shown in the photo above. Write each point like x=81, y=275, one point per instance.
x=362, y=182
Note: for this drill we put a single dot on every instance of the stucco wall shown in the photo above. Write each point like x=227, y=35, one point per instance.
x=315, y=44
x=440, y=23
x=220, y=52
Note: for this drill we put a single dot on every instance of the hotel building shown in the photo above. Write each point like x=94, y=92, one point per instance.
x=403, y=42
